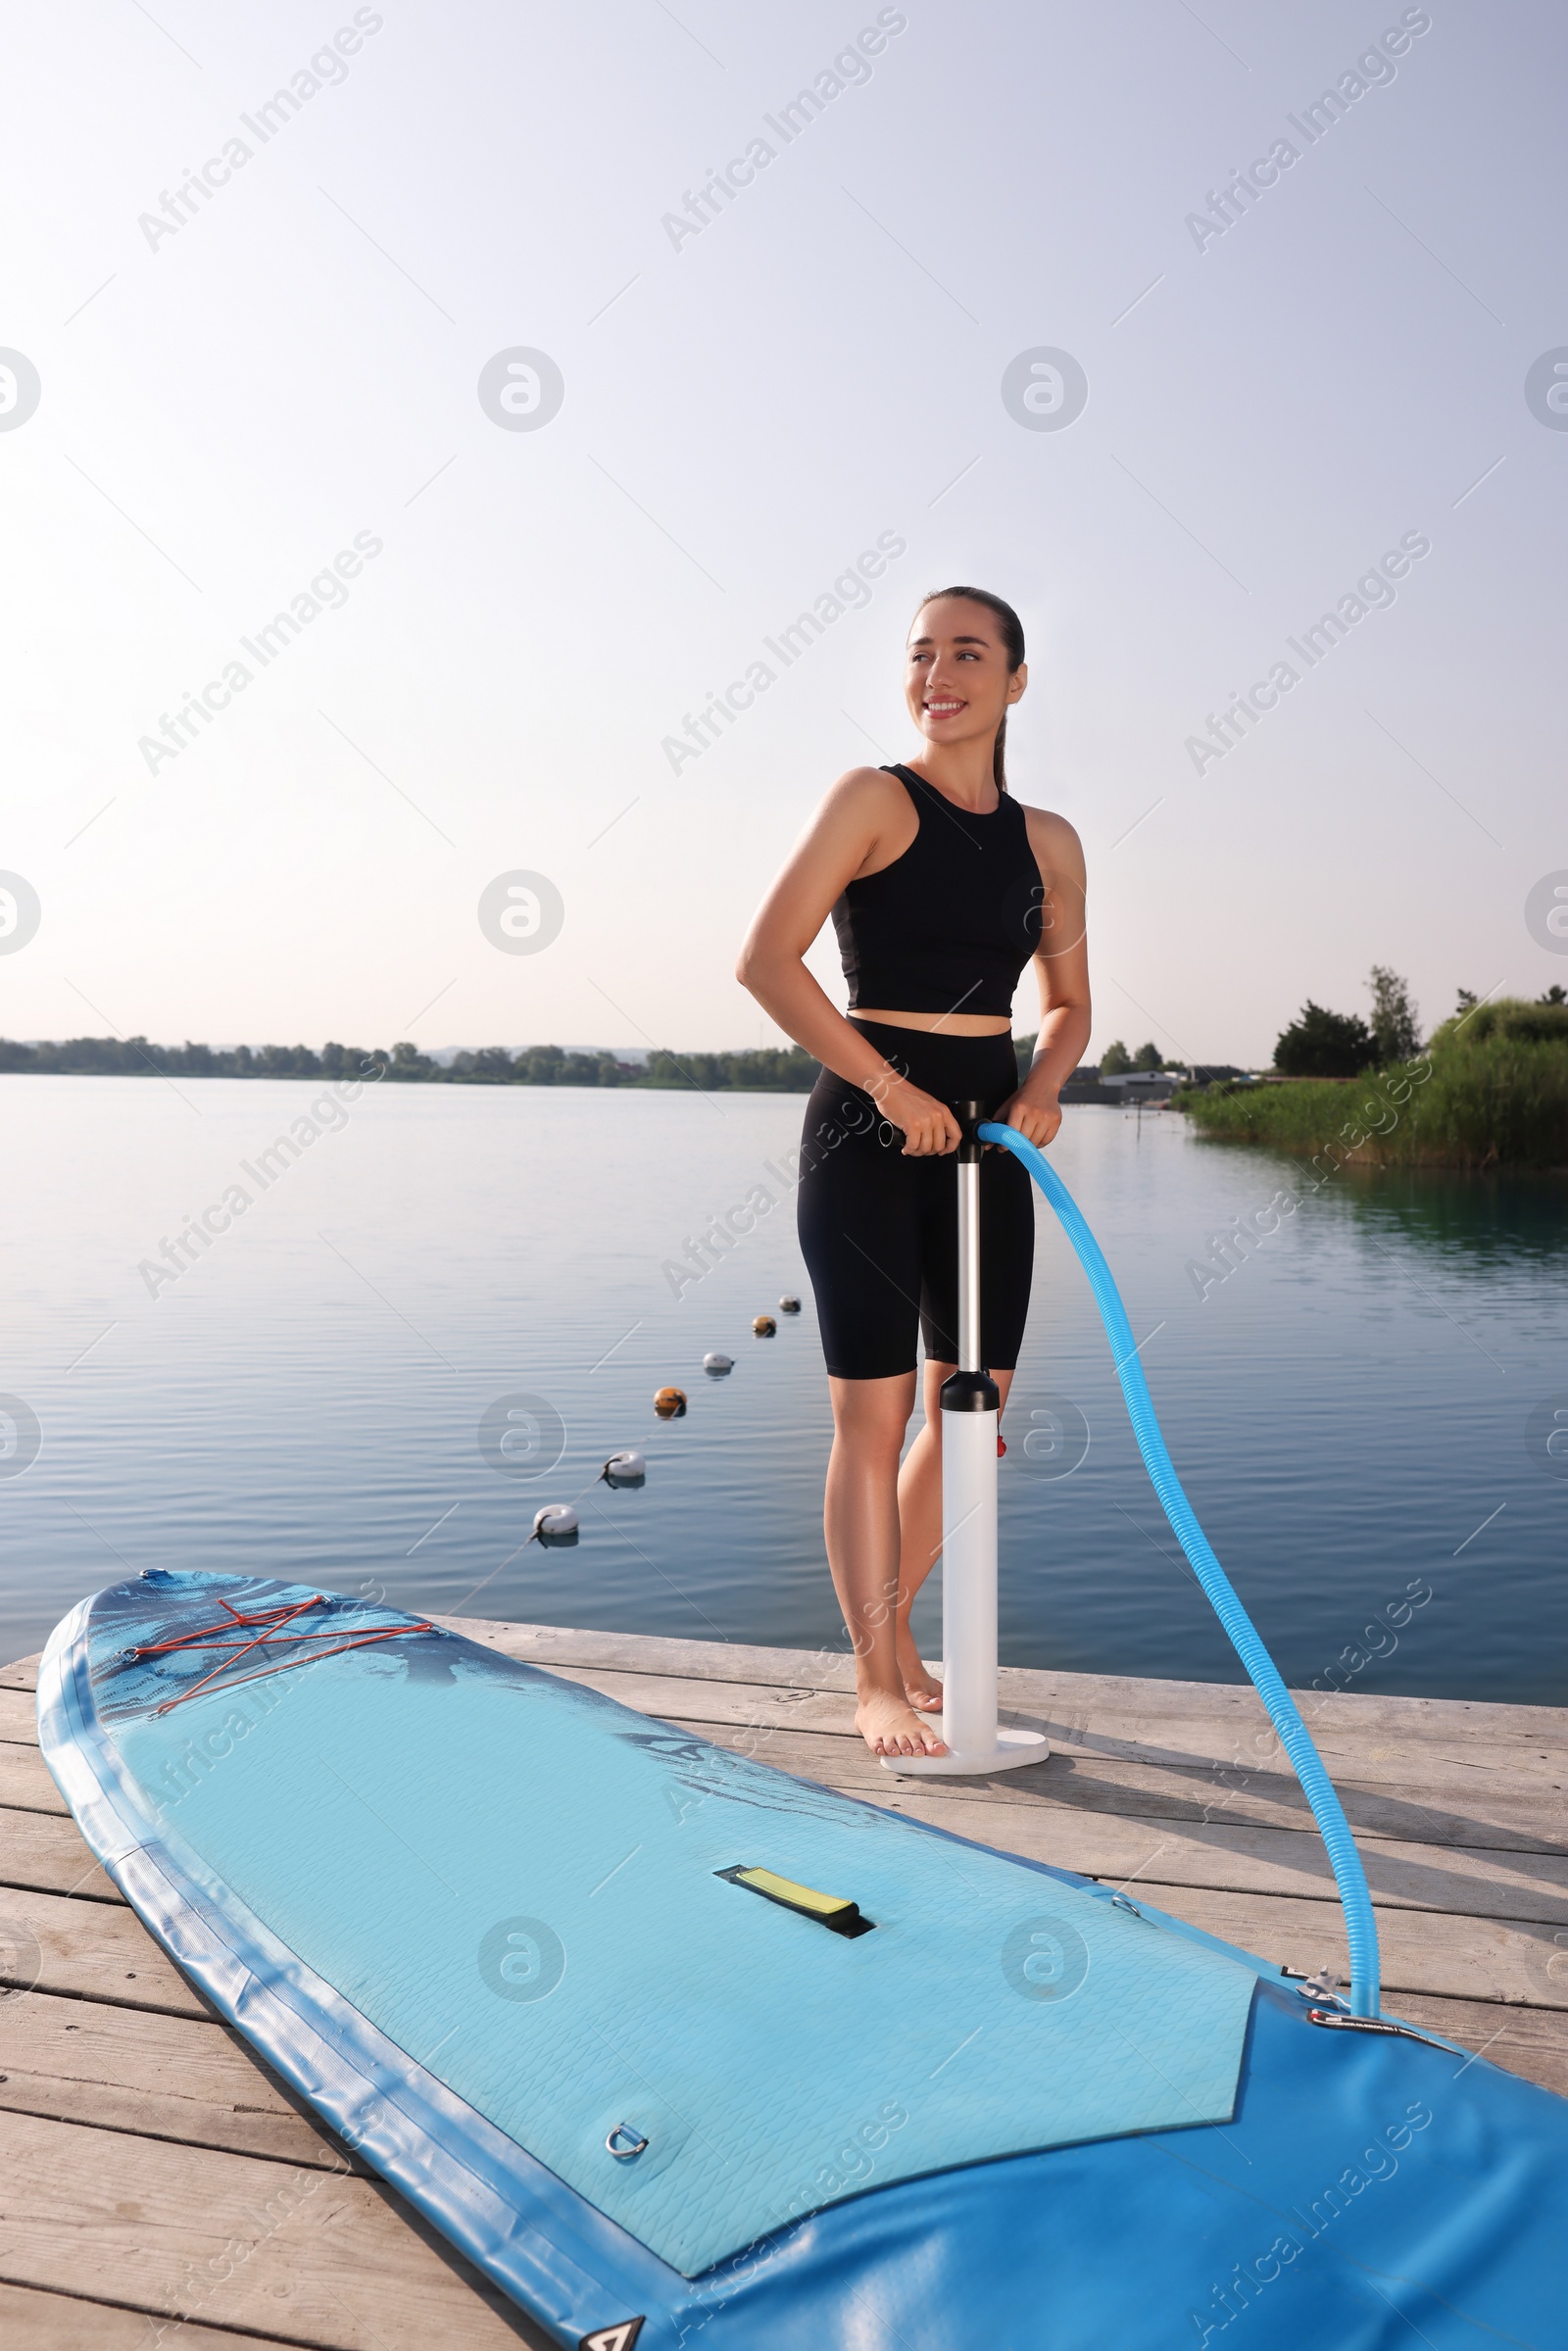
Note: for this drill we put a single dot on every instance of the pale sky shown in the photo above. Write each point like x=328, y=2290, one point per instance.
x=747, y=406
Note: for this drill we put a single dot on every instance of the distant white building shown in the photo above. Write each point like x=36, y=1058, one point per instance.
x=1142, y=1085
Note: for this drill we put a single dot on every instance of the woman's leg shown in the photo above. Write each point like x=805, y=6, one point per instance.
x=920, y=1530
x=860, y=1521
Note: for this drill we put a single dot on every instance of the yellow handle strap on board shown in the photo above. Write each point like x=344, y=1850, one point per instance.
x=835, y=1911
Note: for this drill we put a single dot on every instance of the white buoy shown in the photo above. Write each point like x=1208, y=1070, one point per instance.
x=718, y=1364
x=625, y=1469
x=789, y=1305
x=555, y=1523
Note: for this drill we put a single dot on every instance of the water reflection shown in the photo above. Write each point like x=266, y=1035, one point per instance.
x=1349, y=1409
x=1478, y=1223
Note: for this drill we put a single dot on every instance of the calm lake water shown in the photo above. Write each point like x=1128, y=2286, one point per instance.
x=1351, y=1410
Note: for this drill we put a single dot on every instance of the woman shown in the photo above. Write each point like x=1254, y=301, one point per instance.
x=941, y=887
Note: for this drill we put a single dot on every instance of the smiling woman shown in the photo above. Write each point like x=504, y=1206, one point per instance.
x=941, y=887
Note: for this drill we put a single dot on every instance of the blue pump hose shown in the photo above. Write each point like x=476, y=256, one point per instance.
x=1360, y=1926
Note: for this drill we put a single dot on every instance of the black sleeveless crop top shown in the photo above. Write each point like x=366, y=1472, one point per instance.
x=949, y=926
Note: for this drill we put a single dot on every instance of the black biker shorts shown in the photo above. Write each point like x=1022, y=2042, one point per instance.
x=879, y=1229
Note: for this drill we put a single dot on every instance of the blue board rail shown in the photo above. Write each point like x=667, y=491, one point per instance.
x=1360, y=1924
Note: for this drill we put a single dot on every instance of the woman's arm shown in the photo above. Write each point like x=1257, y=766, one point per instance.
x=1061, y=968
x=842, y=838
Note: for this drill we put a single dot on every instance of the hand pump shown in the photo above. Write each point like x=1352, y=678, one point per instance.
x=970, y=1403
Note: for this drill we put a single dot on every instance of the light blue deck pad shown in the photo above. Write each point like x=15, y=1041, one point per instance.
x=515, y=1880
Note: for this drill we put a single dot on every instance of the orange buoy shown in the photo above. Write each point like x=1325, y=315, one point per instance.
x=670, y=1402
x=763, y=1326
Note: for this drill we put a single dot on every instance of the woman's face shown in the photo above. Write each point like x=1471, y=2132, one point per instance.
x=957, y=681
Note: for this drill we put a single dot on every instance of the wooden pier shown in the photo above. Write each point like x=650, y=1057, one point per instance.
x=162, y=2185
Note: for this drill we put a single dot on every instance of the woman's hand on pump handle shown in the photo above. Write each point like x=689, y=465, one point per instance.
x=930, y=1128
x=1037, y=1117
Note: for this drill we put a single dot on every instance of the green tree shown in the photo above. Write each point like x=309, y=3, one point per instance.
x=1148, y=1056
x=1115, y=1062
x=1324, y=1045
x=1556, y=994
x=1394, y=1016
x=289, y=1061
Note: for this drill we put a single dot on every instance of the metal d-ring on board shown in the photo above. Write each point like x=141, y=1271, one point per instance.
x=624, y=2154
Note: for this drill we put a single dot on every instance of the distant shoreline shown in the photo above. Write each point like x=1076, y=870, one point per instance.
x=768, y=1069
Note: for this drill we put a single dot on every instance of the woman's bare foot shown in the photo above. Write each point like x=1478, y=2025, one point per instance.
x=923, y=1693
x=891, y=1726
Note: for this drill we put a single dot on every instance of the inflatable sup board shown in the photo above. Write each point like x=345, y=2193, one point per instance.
x=681, y=2051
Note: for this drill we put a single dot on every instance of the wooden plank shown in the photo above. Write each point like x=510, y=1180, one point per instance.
x=1113, y=1704
x=1215, y=1722
x=1502, y=1817
x=1456, y=1805
x=161, y=2077
x=1423, y=1951
x=30, y=2320
x=1136, y=1703
x=1532, y=2042
x=755, y=1704
x=1184, y=1743
x=88, y=1950
x=1247, y=1859
x=40, y=1851
x=25, y=1781
x=301, y=2255
x=19, y=1720
x=560, y=1646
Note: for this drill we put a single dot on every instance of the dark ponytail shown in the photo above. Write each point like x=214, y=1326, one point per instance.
x=1013, y=641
